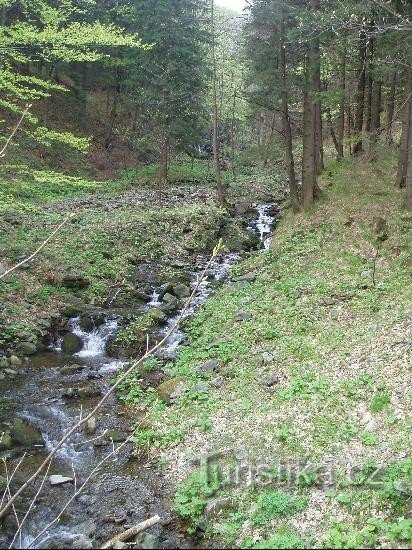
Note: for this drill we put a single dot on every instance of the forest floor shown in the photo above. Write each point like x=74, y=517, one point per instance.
x=301, y=423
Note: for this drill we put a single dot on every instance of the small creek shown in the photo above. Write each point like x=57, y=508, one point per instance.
x=53, y=389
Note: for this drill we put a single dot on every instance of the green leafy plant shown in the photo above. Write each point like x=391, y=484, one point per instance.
x=276, y=504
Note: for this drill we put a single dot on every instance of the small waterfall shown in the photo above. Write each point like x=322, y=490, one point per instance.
x=94, y=341
x=263, y=224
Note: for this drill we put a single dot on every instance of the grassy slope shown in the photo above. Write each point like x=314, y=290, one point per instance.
x=341, y=349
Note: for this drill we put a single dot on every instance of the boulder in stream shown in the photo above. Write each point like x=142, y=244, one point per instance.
x=27, y=348
x=72, y=343
x=25, y=434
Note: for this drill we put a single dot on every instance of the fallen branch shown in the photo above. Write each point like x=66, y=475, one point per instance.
x=133, y=531
x=11, y=136
x=39, y=249
x=119, y=381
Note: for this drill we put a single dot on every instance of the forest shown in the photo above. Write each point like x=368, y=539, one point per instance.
x=205, y=273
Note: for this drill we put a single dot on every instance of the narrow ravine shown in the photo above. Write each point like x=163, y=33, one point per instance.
x=50, y=394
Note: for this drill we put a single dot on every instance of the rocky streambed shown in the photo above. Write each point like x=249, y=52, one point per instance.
x=45, y=395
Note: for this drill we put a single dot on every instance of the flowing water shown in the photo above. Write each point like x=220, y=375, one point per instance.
x=54, y=389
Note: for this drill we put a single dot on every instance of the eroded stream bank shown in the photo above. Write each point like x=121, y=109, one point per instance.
x=52, y=391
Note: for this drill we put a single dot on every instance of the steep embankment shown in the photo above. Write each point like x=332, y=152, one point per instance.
x=296, y=384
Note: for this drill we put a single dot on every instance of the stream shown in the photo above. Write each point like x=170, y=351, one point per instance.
x=50, y=393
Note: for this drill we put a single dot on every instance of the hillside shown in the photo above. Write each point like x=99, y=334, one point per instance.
x=306, y=413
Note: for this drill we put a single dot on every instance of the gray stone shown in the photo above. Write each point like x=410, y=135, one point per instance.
x=25, y=434
x=3, y=269
x=247, y=277
x=200, y=387
x=209, y=366
x=216, y=505
x=6, y=442
x=146, y=541
x=267, y=358
x=115, y=436
x=15, y=361
x=403, y=486
x=88, y=391
x=3, y=484
x=71, y=369
x=59, y=480
x=119, y=545
x=82, y=543
x=243, y=316
x=181, y=291
x=72, y=343
x=217, y=382
x=10, y=372
x=334, y=314
x=27, y=348
x=4, y=363
x=269, y=380
x=158, y=315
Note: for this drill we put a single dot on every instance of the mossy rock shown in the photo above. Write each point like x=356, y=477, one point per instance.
x=72, y=343
x=167, y=389
x=25, y=434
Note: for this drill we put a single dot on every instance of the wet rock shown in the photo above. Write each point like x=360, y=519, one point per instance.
x=147, y=541
x=72, y=310
x=25, y=434
x=75, y=281
x=115, y=436
x=119, y=545
x=168, y=354
x=158, y=315
x=147, y=273
x=3, y=484
x=11, y=373
x=181, y=291
x=208, y=367
x=248, y=277
x=88, y=391
x=166, y=288
x=3, y=269
x=168, y=391
x=4, y=362
x=72, y=343
x=243, y=316
x=56, y=480
x=216, y=505
x=27, y=348
x=82, y=543
x=71, y=369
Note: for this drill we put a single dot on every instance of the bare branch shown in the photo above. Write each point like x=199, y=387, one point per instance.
x=133, y=531
x=39, y=249
x=11, y=136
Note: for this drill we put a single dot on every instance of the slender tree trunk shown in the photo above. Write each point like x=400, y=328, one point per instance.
x=341, y=118
x=308, y=138
x=311, y=121
x=332, y=131
x=376, y=111
x=164, y=158
x=349, y=127
x=390, y=109
x=318, y=108
x=287, y=130
x=408, y=178
x=360, y=94
x=233, y=132
x=404, y=152
x=220, y=191
x=369, y=93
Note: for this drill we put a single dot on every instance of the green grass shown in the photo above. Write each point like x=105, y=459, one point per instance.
x=337, y=343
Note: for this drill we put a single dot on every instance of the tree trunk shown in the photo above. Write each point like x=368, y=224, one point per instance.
x=164, y=159
x=308, y=138
x=408, y=178
x=311, y=121
x=360, y=94
x=404, y=151
x=369, y=95
x=376, y=111
x=287, y=131
x=390, y=109
x=332, y=131
x=318, y=108
x=220, y=191
x=341, y=118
